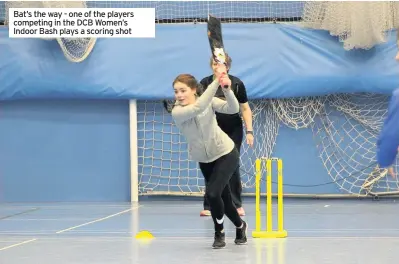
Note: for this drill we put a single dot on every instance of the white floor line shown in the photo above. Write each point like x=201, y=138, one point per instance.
x=98, y=220
x=18, y=244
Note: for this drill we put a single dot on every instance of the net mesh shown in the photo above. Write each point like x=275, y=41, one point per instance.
x=345, y=129
x=190, y=11
x=344, y=126
x=358, y=24
x=227, y=11
x=164, y=163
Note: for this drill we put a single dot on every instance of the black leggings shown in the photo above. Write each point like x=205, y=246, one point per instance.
x=217, y=176
x=235, y=182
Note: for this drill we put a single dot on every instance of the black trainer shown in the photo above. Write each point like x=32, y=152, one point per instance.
x=219, y=240
x=241, y=234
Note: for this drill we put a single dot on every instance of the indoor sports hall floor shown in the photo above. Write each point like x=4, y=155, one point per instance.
x=319, y=231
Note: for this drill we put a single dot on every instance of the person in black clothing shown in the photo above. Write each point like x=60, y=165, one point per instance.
x=232, y=125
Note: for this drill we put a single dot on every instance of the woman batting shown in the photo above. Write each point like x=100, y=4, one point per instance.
x=212, y=148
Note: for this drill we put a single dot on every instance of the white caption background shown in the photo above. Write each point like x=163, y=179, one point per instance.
x=82, y=22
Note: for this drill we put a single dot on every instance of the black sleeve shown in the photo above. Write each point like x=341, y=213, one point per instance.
x=205, y=82
x=241, y=93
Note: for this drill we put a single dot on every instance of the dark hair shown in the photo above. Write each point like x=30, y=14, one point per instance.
x=188, y=80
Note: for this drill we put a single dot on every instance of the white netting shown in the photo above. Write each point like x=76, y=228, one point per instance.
x=346, y=134
x=228, y=11
x=164, y=164
x=358, y=24
x=74, y=49
x=345, y=129
x=189, y=11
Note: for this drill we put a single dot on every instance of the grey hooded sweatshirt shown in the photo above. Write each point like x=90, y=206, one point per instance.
x=197, y=122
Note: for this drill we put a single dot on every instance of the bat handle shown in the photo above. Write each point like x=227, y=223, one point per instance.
x=225, y=86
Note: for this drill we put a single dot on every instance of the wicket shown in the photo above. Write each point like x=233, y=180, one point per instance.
x=269, y=233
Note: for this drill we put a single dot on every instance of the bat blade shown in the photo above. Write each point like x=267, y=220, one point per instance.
x=216, y=39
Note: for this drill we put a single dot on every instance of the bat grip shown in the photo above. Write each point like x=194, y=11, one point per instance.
x=225, y=86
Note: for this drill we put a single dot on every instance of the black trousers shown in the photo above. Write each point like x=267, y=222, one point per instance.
x=217, y=176
x=236, y=134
